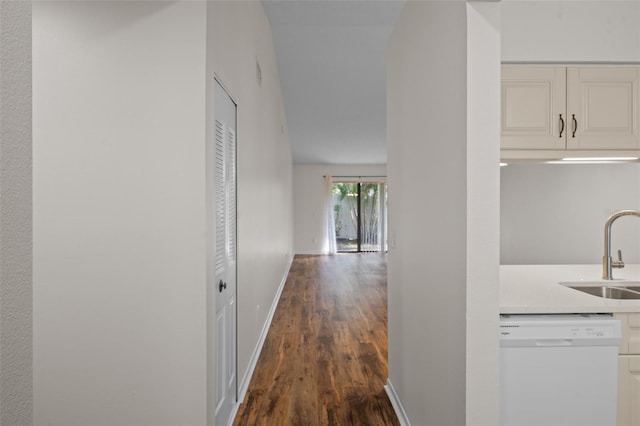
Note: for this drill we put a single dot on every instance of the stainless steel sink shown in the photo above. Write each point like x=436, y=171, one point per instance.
x=609, y=292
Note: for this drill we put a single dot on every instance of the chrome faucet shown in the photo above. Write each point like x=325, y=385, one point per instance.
x=607, y=263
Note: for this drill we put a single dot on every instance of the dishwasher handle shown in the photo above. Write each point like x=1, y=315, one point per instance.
x=554, y=342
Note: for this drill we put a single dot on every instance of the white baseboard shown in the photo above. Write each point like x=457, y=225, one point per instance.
x=244, y=384
x=397, y=405
x=234, y=411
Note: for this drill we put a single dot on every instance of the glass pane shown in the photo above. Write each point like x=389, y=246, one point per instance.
x=364, y=228
x=370, y=214
x=345, y=212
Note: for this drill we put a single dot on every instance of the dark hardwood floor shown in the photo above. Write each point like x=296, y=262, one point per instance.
x=324, y=361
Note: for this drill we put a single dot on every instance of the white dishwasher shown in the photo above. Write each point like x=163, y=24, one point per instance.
x=559, y=370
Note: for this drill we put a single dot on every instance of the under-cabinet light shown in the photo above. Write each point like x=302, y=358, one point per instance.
x=593, y=160
x=503, y=164
x=599, y=159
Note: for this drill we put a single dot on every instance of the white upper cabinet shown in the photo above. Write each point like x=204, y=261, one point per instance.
x=574, y=108
x=533, y=107
x=603, y=103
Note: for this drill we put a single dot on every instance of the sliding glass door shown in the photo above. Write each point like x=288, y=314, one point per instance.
x=360, y=216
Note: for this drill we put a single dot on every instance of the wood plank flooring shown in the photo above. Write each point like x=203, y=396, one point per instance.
x=324, y=361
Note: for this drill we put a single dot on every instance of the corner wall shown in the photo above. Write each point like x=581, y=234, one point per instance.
x=483, y=212
x=426, y=165
x=443, y=151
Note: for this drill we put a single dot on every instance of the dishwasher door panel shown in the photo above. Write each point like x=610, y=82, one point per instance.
x=559, y=370
x=553, y=386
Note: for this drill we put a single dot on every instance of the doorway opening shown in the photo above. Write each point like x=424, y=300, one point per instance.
x=360, y=215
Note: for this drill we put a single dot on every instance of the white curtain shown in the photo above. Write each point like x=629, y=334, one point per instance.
x=329, y=245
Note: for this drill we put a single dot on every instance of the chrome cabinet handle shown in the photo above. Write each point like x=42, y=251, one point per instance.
x=561, y=125
x=575, y=125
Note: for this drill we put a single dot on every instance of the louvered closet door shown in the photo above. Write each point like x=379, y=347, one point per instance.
x=225, y=255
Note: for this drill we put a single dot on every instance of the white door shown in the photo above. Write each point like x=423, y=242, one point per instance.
x=225, y=255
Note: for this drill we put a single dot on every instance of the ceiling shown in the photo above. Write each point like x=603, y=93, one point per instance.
x=331, y=61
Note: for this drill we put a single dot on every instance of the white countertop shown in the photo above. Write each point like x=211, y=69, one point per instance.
x=534, y=289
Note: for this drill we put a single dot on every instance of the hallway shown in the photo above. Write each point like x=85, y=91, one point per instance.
x=324, y=361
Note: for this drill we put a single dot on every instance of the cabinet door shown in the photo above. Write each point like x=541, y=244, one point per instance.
x=602, y=104
x=633, y=333
x=533, y=107
x=629, y=390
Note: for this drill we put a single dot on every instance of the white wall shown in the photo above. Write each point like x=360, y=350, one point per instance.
x=239, y=35
x=308, y=198
x=555, y=214
x=571, y=31
x=439, y=170
x=567, y=206
x=16, y=256
x=123, y=95
x=119, y=265
x=483, y=212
